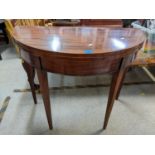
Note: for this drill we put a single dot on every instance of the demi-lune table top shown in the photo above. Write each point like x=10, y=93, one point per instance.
x=78, y=40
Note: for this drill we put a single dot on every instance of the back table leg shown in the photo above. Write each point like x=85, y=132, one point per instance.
x=30, y=74
x=121, y=84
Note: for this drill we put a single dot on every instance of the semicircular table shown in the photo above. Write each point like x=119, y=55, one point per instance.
x=77, y=51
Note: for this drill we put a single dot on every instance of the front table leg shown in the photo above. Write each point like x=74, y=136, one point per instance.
x=42, y=76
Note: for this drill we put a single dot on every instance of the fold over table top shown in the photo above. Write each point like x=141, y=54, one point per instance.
x=78, y=40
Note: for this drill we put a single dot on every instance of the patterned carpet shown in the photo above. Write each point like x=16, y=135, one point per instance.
x=4, y=107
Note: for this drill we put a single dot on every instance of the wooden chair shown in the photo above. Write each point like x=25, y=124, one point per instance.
x=30, y=22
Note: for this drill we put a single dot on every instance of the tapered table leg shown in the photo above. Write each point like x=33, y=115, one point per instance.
x=121, y=83
x=30, y=74
x=115, y=84
x=42, y=76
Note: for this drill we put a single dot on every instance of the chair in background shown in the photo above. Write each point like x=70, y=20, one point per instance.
x=11, y=23
x=30, y=22
x=3, y=35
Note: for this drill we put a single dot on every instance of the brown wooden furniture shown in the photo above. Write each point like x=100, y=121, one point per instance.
x=65, y=23
x=77, y=51
x=102, y=22
x=89, y=22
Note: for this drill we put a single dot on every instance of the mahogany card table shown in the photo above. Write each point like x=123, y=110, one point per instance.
x=77, y=51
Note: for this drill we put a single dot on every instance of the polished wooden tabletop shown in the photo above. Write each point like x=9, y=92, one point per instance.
x=78, y=40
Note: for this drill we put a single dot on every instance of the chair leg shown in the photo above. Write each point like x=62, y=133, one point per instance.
x=0, y=57
x=115, y=84
x=42, y=76
x=30, y=74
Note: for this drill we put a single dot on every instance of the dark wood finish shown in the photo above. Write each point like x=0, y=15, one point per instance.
x=81, y=66
x=79, y=51
x=42, y=76
x=65, y=23
x=102, y=22
x=89, y=22
x=112, y=94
